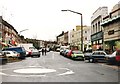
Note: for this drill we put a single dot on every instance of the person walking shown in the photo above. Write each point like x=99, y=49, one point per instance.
x=45, y=51
x=42, y=51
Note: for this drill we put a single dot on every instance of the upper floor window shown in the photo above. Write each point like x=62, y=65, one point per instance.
x=85, y=38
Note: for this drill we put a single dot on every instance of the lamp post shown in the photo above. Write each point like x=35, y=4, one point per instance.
x=22, y=31
x=81, y=26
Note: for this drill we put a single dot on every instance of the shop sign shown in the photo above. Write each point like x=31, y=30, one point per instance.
x=110, y=32
x=97, y=36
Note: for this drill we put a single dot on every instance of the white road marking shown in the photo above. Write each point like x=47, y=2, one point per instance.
x=22, y=75
x=2, y=73
x=64, y=68
x=34, y=70
x=68, y=72
x=36, y=66
x=37, y=71
x=28, y=75
x=69, y=63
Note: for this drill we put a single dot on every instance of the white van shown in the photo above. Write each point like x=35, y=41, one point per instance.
x=30, y=49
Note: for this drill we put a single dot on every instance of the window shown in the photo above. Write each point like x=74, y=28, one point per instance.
x=99, y=26
x=102, y=53
x=94, y=53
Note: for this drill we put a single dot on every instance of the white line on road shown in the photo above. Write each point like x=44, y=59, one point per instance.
x=34, y=70
x=2, y=73
x=68, y=72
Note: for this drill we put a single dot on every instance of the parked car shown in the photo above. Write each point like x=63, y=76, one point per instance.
x=69, y=54
x=97, y=56
x=65, y=52
x=48, y=49
x=30, y=49
x=118, y=56
x=61, y=51
x=58, y=50
x=34, y=52
x=3, y=58
x=114, y=58
x=76, y=54
x=20, y=50
x=87, y=54
x=40, y=50
x=11, y=54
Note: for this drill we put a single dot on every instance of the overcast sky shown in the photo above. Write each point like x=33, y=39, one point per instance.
x=44, y=18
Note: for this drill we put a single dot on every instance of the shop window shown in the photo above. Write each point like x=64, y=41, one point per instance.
x=100, y=41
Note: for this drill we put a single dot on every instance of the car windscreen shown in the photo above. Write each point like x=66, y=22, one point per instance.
x=14, y=52
x=77, y=52
x=32, y=48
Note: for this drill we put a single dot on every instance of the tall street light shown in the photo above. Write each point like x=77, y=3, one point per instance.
x=23, y=30
x=81, y=26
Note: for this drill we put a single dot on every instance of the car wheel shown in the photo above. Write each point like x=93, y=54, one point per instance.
x=91, y=60
x=83, y=59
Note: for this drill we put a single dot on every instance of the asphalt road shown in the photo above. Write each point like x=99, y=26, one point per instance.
x=56, y=68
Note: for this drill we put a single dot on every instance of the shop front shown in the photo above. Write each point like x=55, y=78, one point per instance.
x=111, y=46
x=97, y=41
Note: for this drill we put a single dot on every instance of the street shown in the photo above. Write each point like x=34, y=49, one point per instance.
x=56, y=68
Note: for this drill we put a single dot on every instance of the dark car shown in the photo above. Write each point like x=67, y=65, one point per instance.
x=20, y=50
x=3, y=58
x=114, y=58
x=97, y=56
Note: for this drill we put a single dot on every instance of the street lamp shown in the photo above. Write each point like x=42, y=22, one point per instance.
x=81, y=26
x=23, y=30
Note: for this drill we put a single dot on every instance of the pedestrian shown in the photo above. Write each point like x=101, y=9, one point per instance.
x=45, y=51
x=42, y=51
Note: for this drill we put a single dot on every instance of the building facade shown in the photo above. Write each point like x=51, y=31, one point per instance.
x=111, y=25
x=96, y=29
x=60, y=38
x=66, y=38
x=75, y=37
x=8, y=35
